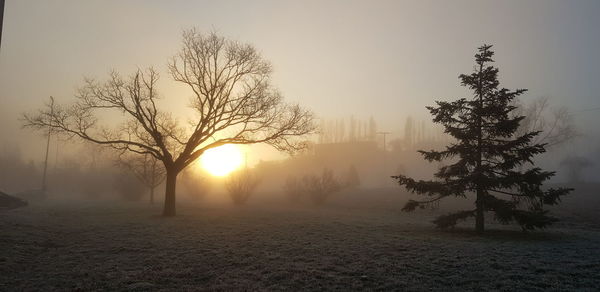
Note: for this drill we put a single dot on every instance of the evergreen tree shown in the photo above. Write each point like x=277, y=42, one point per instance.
x=488, y=158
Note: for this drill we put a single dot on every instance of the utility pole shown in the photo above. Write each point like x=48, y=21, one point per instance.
x=1, y=19
x=47, y=146
x=384, y=134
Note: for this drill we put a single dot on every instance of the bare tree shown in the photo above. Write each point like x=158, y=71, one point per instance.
x=146, y=168
x=240, y=185
x=555, y=124
x=233, y=102
x=319, y=188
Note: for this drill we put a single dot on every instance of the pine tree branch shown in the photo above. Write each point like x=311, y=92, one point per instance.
x=507, y=193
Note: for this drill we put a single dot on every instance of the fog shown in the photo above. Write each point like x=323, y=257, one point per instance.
x=362, y=73
x=387, y=61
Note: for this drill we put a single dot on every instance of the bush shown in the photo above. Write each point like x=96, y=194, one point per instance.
x=317, y=188
x=241, y=185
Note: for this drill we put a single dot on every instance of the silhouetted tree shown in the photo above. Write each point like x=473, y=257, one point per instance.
x=147, y=169
x=487, y=157
x=575, y=166
x=233, y=101
x=322, y=132
x=319, y=188
x=240, y=185
x=555, y=124
x=353, y=131
x=342, y=131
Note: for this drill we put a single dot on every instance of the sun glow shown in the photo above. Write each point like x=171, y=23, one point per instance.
x=222, y=160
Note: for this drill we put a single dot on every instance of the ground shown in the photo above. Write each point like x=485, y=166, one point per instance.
x=127, y=246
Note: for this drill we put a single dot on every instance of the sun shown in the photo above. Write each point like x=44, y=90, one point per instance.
x=222, y=160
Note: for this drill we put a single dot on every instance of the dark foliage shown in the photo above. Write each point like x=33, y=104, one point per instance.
x=488, y=157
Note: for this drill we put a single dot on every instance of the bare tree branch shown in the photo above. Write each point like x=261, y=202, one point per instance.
x=555, y=124
x=233, y=100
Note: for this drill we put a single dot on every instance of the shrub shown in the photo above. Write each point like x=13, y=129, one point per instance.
x=241, y=185
x=320, y=188
x=317, y=188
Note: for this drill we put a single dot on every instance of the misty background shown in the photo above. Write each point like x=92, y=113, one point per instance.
x=375, y=63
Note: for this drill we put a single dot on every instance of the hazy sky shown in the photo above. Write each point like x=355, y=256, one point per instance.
x=388, y=59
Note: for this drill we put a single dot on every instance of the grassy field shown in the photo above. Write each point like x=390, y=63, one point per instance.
x=344, y=246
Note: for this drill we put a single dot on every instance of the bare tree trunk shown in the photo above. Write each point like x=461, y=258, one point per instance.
x=169, y=209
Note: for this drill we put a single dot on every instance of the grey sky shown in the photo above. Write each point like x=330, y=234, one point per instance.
x=388, y=59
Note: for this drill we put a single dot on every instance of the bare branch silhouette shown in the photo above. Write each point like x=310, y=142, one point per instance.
x=240, y=185
x=233, y=101
x=555, y=124
x=146, y=168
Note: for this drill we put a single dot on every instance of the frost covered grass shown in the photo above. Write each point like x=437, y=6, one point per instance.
x=118, y=246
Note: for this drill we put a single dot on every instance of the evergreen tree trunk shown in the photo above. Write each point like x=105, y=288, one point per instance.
x=169, y=209
x=479, y=218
